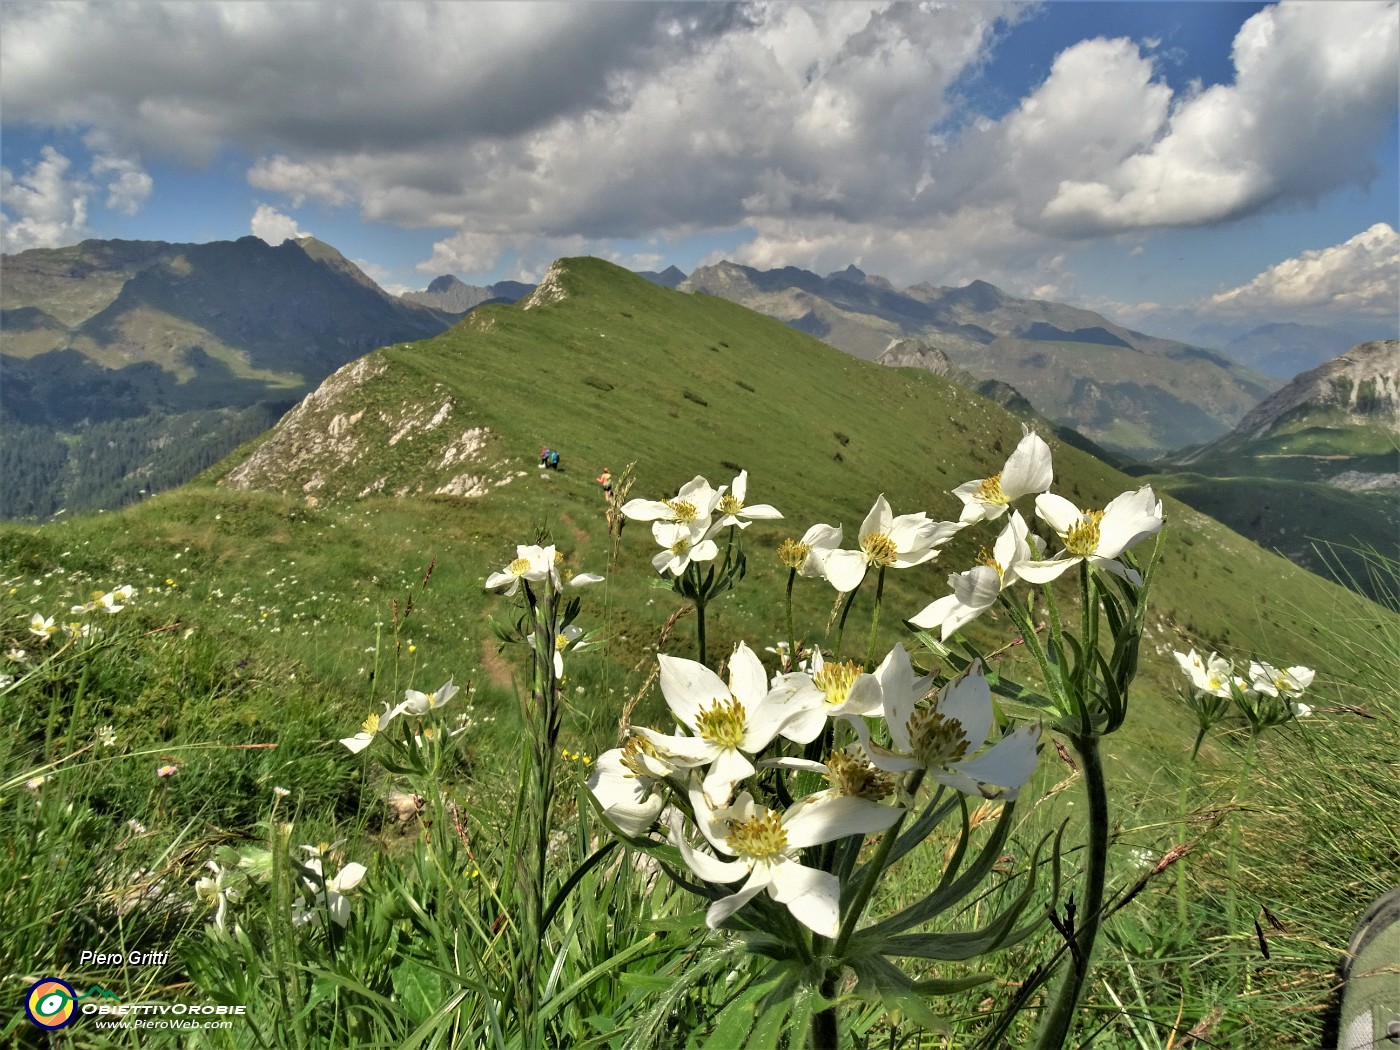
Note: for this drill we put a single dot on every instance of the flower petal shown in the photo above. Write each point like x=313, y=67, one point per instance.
x=813, y=896
x=845, y=569
x=1008, y=764
x=809, y=824
x=689, y=687
x=1028, y=468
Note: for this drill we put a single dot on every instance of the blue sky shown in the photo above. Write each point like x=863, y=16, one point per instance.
x=1167, y=163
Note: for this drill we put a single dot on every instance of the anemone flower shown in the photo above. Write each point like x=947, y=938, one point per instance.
x=733, y=511
x=1027, y=470
x=695, y=502
x=1289, y=684
x=887, y=541
x=808, y=555
x=766, y=845
x=976, y=590
x=625, y=782
x=1095, y=536
x=681, y=544
x=942, y=739
x=724, y=722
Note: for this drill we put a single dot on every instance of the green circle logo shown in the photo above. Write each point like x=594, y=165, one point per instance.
x=50, y=1004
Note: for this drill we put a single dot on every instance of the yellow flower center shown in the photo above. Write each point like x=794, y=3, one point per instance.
x=879, y=549
x=990, y=491
x=729, y=505
x=985, y=557
x=1082, y=539
x=936, y=740
x=632, y=752
x=722, y=723
x=836, y=679
x=793, y=554
x=848, y=775
x=681, y=545
x=561, y=642
x=760, y=838
x=682, y=511
x=519, y=567
x=370, y=725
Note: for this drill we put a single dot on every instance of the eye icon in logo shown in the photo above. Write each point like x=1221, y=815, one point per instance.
x=50, y=1003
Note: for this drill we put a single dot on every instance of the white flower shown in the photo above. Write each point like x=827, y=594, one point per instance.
x=75, y=629
x=843, y=690
x=976, y=590
x=107, y=736
x=532, y=563
x=1268, y=679
x=682, y=544
x=942, y=739
x=1097, y=536
x=1213, y=676
x=888, y=541
x=694, y=503
x=766, y=845
x=732, y=510
x=624, y=781
x=280, y=792
x=724, y=722
x=332, y=897
x=6, y=680
x=214, y=889
x=373, y=724
x=1300, y=709
x=1027, y=470
x=16, y=655
x=416, y=704
x=35, y=783
x=113, y=601
x=808, y=555
x=42, y=627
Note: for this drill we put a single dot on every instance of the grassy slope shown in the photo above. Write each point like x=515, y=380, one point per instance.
x=822, y=434
x=300, y=594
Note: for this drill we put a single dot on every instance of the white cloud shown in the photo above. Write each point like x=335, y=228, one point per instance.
x=274, y=227
x=1312, y=81
x=43, y=208
x=1361, y=275
x=128, y=184
x=516, y=129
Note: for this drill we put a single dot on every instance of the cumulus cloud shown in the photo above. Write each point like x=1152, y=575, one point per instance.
x=1361, y=275
x=274, y=227
x=43, y=207
x=833, y=131
x=1312, y=81
x=128, y=184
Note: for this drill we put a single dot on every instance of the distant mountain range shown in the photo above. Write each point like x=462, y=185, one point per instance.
x=115, y=354
x=453, y=296
x=1128, y=391
x=1312, y=471
x=1285, y=350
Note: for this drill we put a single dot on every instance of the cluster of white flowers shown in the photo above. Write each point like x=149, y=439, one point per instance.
x=415, y=705
x=685, y=525
x=1215, y=676
x=724, y=728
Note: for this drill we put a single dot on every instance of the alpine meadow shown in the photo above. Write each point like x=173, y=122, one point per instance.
x=390, y=735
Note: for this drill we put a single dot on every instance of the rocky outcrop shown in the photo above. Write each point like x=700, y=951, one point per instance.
x=1361, y=384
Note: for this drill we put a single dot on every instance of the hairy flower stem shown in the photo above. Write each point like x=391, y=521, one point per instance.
x=1058, y=1018
x=791, y=635
x=875, y=621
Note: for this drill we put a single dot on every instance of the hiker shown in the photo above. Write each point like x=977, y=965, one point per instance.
x=605, y=479
x=553, y=459
x=544, y=456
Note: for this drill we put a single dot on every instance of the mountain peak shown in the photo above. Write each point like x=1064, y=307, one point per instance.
x=444, y=284
x=852, y=274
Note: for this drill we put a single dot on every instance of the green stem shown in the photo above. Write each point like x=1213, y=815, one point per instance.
x=874, y=869
x=700, y=629
x=1181, y=834
x=1233, y=860
x=826, y=1033
x=841, y=624
x=875, y=621
x=791, y=635
x=1059, y=1014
